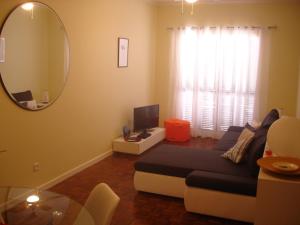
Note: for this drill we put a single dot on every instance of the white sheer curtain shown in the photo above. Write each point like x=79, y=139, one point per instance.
x=214, y=73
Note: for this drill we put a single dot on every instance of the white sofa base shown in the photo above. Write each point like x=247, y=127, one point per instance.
x=220, y=204
x=159, y=184
x=198, y=200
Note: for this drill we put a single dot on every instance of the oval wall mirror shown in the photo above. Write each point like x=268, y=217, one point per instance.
x=34, y=56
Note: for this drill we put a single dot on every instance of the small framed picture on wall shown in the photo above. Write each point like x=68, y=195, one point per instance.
x=123, y=45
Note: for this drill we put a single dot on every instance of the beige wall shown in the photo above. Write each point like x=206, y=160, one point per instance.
x=285, y=46
x=98, y=97
x=298, y=99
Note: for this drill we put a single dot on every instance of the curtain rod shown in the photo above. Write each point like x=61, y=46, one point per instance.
x=274, y=27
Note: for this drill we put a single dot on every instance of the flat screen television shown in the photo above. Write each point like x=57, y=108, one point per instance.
x=144, y=118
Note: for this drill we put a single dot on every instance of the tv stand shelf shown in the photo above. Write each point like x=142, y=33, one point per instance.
x=136, y=148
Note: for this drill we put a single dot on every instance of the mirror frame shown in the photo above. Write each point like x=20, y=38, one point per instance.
x=69, y=55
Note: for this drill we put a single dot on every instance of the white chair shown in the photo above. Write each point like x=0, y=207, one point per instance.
x=101, y=205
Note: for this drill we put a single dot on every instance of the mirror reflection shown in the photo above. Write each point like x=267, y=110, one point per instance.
x=34, y=59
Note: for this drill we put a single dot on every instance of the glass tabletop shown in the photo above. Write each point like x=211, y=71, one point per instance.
x=25, y=206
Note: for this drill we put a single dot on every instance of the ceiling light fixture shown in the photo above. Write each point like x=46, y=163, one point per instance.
x=32, y=199
x=192, y=2
x=27, y=6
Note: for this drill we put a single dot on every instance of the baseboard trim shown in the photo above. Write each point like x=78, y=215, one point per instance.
x=74, y=171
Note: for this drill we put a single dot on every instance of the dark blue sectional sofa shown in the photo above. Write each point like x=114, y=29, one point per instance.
x=207, y=181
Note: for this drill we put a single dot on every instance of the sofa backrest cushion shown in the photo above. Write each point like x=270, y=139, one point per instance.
x=256, y=150
x=23, y=96
x=270, y=118
x=257, y=146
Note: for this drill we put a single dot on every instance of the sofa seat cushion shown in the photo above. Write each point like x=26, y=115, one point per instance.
x=222, y=182
x=179, y=161
x=229, y=139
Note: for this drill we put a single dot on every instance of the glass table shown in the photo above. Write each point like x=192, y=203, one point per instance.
x=25, y=206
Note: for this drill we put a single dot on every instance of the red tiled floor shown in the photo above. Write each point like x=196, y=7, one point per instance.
x=136, y=208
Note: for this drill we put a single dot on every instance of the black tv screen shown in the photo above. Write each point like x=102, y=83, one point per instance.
x=146, y=117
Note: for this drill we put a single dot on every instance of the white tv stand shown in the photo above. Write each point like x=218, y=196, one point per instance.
x=136, y=148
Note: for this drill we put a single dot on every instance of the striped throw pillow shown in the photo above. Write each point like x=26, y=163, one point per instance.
x=236, y=153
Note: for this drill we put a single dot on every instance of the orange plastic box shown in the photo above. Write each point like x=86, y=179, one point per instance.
x=177, y=130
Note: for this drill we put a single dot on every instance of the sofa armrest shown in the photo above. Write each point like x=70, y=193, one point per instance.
x=222, y=182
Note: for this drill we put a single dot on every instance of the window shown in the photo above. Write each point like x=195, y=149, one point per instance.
x=217, y=71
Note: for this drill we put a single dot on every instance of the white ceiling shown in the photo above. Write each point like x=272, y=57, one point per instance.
x=227, y=1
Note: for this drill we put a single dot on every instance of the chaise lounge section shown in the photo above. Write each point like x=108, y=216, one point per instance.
x=207, y=181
